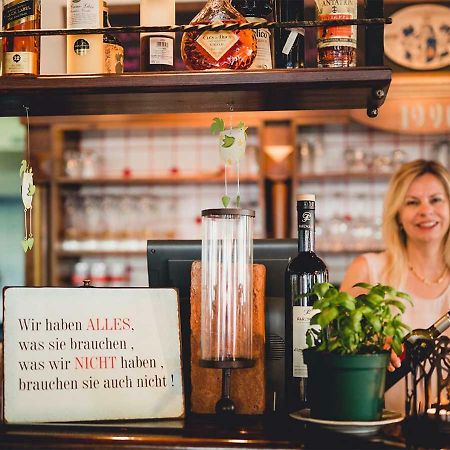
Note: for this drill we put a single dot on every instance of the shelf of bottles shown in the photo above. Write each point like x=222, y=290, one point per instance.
x=266, y=45
x=112, y=199
x=348, y=167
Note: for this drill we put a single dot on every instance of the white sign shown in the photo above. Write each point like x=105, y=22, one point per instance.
x=91, y=354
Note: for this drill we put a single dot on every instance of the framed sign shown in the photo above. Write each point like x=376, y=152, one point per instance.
x=73, y=354
x=419, y=37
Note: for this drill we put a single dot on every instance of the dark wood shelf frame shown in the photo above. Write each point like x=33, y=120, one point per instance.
x=170, y=92
x=181, y=179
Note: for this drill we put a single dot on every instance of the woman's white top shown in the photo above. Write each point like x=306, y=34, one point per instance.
x=422, y=314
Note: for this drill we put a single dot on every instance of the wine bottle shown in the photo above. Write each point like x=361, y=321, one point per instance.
x=255, y=11
x=426, y=337
x=157, y=48
x=289, y=44
x=218, y=50
x=85, y=51
x=336, y=45
x=112, y=47
x=302, y=272
x=21, y=53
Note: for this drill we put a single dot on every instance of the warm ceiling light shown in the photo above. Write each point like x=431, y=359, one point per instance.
x=278, y=152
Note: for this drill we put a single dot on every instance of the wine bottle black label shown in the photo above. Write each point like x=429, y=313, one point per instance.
x=17, y=12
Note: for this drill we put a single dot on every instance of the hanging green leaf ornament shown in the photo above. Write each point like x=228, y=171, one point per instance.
x=232, y=143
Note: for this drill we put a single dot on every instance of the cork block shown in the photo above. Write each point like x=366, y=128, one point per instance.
x=247, y=385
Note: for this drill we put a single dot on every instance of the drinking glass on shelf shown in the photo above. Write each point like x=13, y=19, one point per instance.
x=398, y=158
x=355, y=160
x=90, y=163
x=72, y=163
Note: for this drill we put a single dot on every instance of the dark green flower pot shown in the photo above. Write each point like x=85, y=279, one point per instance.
x=346, y=387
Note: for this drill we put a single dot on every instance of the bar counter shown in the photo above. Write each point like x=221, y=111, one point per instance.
x=263, y=432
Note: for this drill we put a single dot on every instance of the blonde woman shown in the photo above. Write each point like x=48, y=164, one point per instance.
x=416, y=220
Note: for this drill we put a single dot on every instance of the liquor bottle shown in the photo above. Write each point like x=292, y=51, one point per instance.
x=425, y=339
x=289, y=44
x=112, y=47
x=21, y=54
x=157, y=48
x=85, y=52
x=256, y=11
x=204, y=50
x=302, y=272
x=336, y=45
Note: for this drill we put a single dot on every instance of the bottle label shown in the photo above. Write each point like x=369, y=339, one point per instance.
x=17, y=12
x=263, y=59
x=20, y=63
x=301, y=323
x=217, y=43
x=161, y=50
x=336, y=10
x=84, y=14
x=113, y=58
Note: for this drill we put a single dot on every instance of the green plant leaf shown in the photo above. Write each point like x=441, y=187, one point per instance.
x=30, y=242
x=228, y=141
x=225, y=201
x=346, y=301
x=396, y=345
x=217, y=126
x=401, y=306
x=321, y=288
x=326, y=316
x=331, y=293
x=23, y=167
x=363, y=285
x=25, y=244
x=405, y=296
x=31, y=189
x=238, y=201
x=375, y=322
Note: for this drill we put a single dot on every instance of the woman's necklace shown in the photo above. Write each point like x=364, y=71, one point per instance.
x=430, y=282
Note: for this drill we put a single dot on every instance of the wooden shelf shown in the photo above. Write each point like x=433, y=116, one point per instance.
x=169, y=92
x=98, y=253
x=343, y=176
x=156, y=180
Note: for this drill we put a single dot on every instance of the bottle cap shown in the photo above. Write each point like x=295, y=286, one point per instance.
x=306, y=198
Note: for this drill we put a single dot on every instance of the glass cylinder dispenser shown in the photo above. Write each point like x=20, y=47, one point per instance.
x=227, y=288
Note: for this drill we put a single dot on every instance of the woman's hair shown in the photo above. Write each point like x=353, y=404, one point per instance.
x=394, y=236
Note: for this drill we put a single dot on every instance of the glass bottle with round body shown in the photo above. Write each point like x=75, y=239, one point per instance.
x=218, y=50
x=302, y=273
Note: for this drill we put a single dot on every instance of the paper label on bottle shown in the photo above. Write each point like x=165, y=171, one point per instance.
x=20, y=62
x=217, y=43
x=161, y=50
x=85, y=54
x=113, y=58
x=84, y=14
x=263, y=58
x=336, y=10
x=301, y=323
x=17, y=12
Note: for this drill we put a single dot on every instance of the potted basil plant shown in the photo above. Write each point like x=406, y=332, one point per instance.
x=350, y=340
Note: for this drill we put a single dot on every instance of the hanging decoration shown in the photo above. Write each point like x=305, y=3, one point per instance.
x=28, y=190
x=232, y=144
